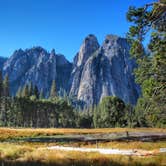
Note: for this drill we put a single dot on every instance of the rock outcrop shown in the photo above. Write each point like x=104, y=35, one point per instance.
x=89, y=46
x=105, y=71
x=35, y=65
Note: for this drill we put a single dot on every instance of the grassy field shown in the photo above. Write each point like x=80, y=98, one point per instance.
x=26, y=153
x=7, y=133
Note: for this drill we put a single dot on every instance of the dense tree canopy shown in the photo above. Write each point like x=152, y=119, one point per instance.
x=151, y=67
x=110, y=113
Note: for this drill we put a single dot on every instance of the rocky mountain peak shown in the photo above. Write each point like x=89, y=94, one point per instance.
x=53, y=52
x=34, y=65
x=88, y=47
x=61, y=60
x=90, y=38
x=37, y=49
x=115, y=46
x=106, y=72
x=19, y=51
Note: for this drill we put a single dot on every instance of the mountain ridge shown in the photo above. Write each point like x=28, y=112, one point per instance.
x=96, y=70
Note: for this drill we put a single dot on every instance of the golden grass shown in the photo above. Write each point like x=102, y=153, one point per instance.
x=66, y=158
x=107, y=145
x=6, y=133
x=13, y=151
x=117, y=145
x=30, y=153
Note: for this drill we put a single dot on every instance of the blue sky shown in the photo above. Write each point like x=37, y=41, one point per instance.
x=60, y=24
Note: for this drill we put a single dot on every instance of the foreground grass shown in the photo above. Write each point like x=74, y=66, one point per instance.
x=117, y=145
x=33, y=154
x=10, y=133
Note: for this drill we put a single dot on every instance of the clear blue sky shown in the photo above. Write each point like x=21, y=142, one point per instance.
x=60, y=24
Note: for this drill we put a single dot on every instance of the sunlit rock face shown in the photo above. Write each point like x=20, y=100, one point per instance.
x=34, y=65
x=88, y=47
x=105, y=71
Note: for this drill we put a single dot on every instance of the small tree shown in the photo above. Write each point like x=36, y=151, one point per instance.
x=6, y=91
x=25, y=92
x=31, y=89
x=53, y=93
x=1, y=85
x=19, y=92
x=36, y=92
x=5, y=102
x=41, y=95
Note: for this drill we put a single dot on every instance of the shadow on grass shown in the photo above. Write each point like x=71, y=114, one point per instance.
x=73, y=163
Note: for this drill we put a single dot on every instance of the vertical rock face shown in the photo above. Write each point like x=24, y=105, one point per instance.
x=34, y=65
x=116, y=49
x=107, y=71
x=63, y=68
x=89, y=46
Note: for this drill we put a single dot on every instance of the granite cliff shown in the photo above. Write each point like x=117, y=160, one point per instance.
x=106, y=71
x=38, y=66
x=96, y=71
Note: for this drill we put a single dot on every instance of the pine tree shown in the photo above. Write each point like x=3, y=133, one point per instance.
x=151, y=70
x=6, y=91
x=1, y=84
x=1, y=99
x=5, y=104
x=36, y=92
x=41, y=96
x=25, y=91
x=31, y=89
x=53, y=90
x=19, y=92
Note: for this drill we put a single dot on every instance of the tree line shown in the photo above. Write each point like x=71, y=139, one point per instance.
x=29, y=108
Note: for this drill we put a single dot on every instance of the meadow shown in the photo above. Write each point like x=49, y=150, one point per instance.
x=14, y=150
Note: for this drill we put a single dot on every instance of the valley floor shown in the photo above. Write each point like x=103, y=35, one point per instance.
x=83, y=147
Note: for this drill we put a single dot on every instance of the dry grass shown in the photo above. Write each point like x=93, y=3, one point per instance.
x=31, y=154
x=66, y=158
x=13, y=151
x=117, y=145
x=7, y=133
